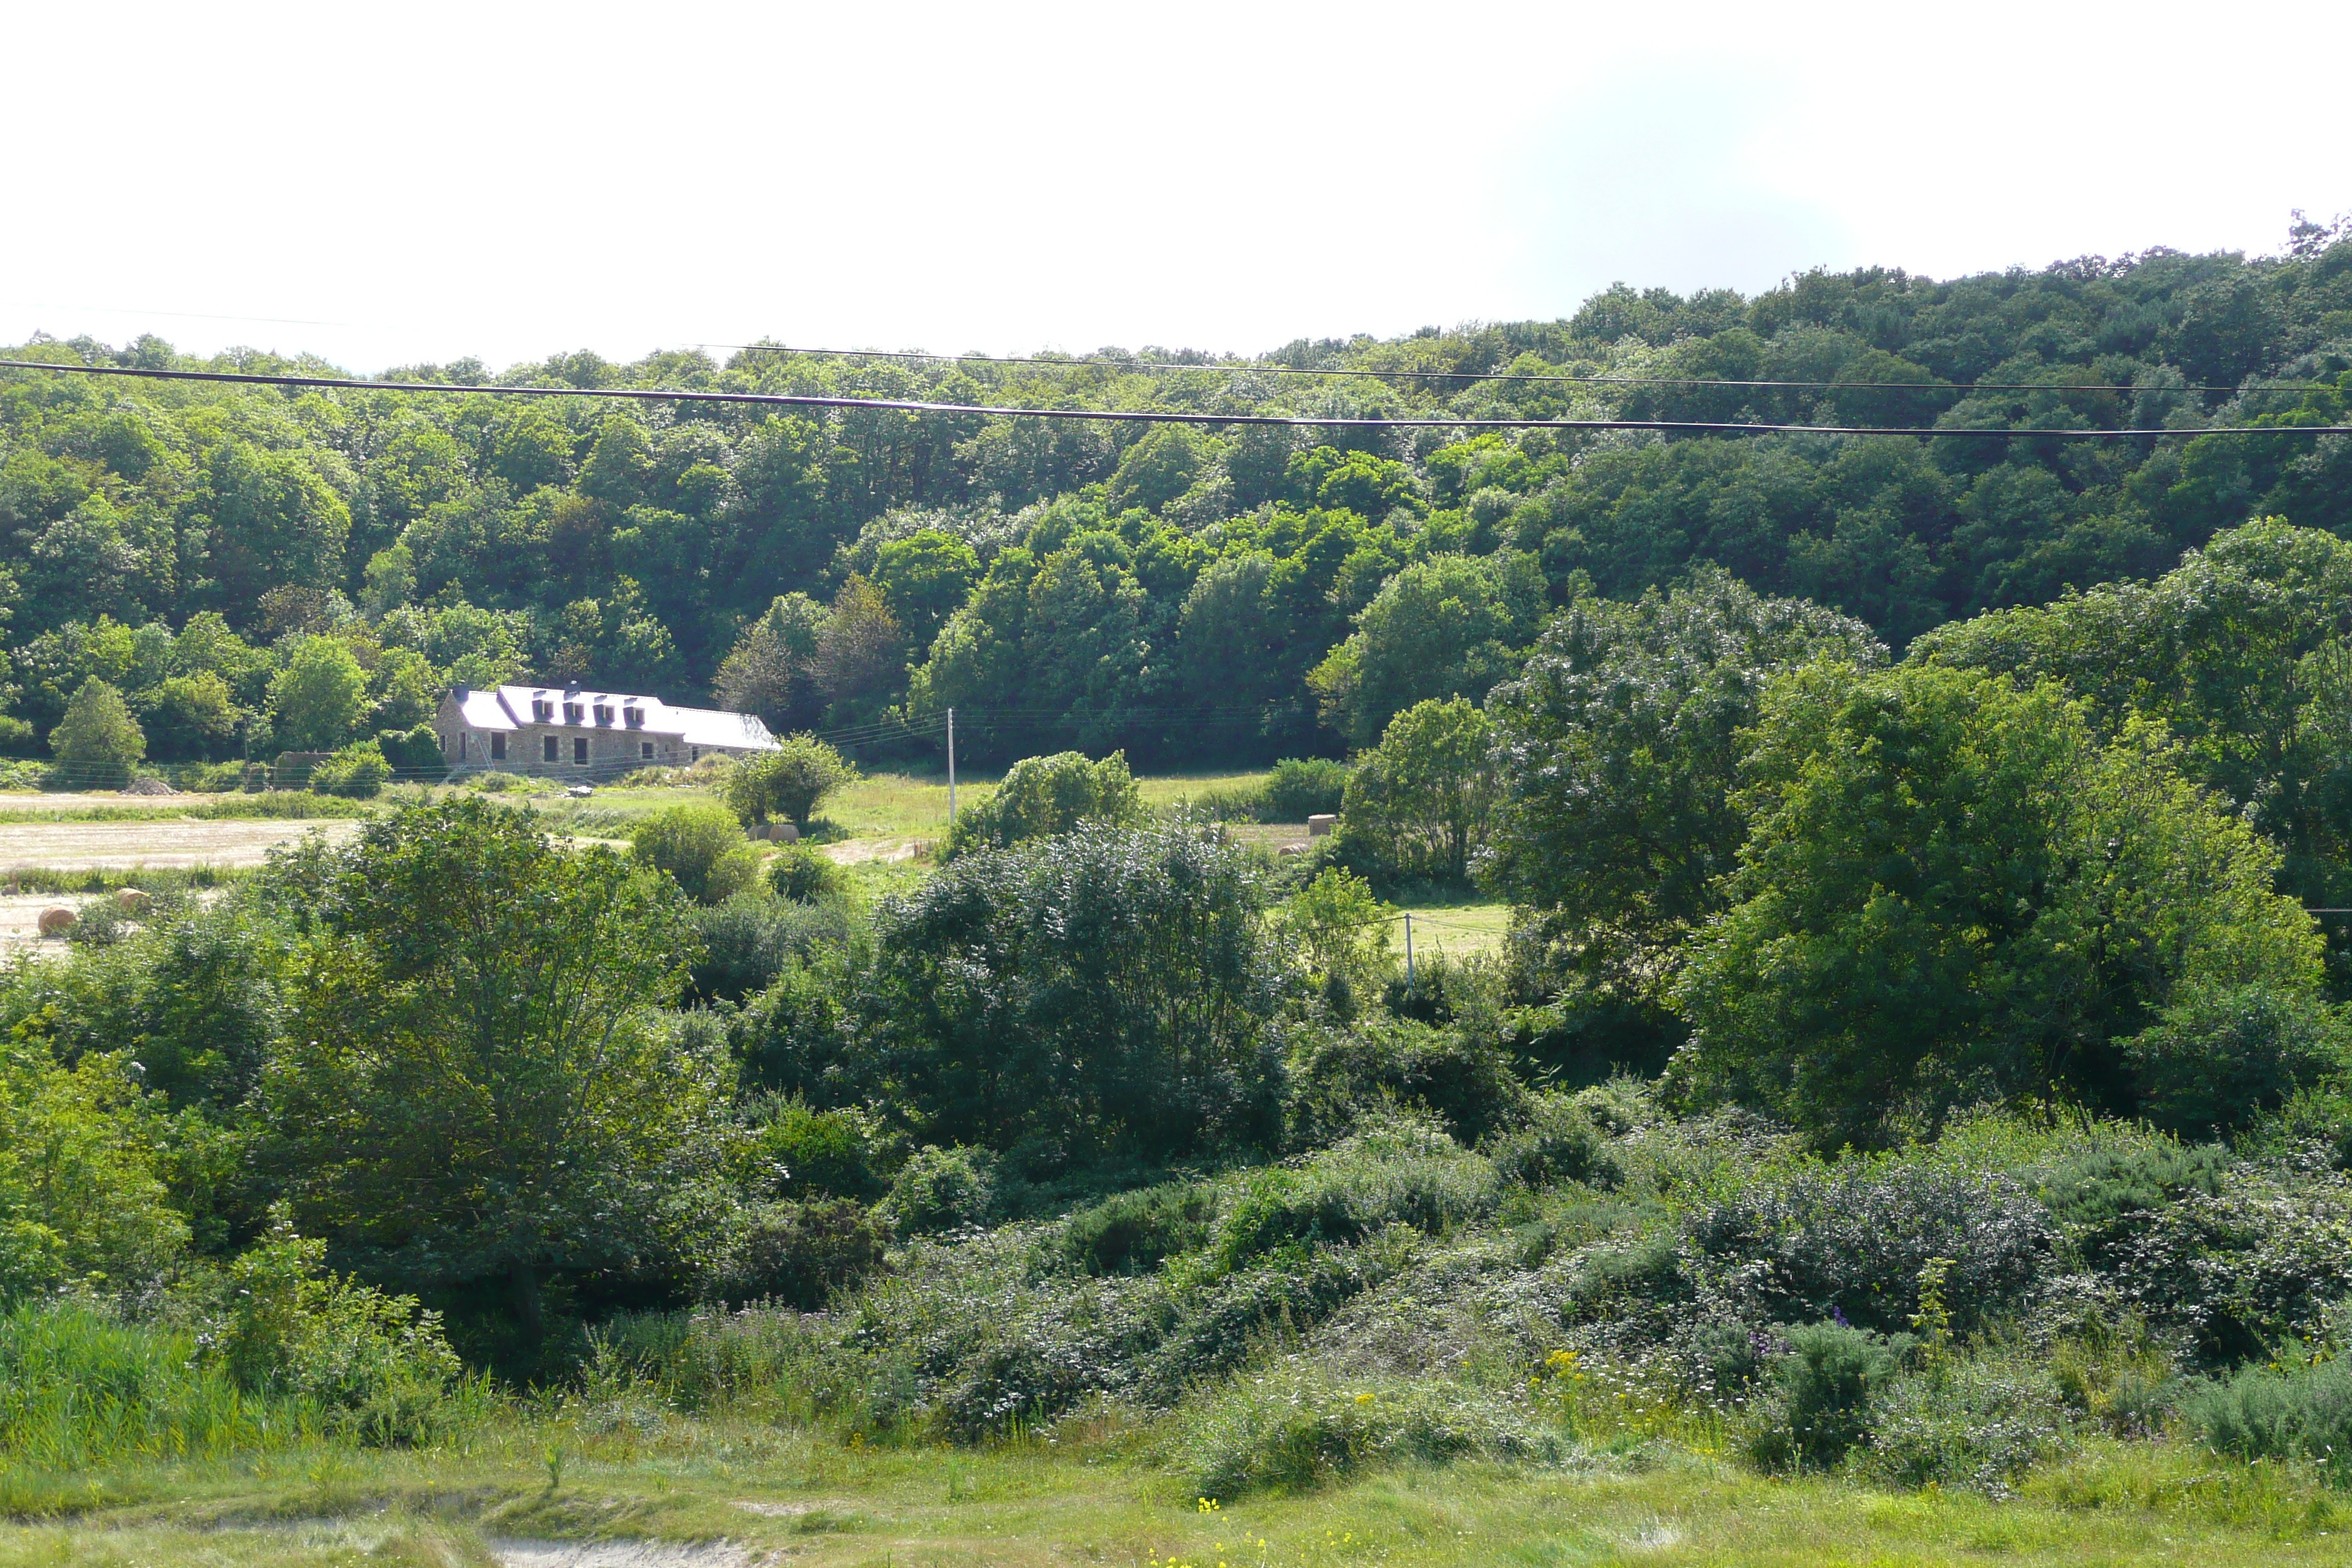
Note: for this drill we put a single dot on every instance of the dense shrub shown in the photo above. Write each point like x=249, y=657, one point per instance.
x=1979, y=1425
x=1851, y=1239
x=1554, y=1141
x=358, y=772
x=2244, y=1268
x=747, y=939
x=2298, y=1410
x=1336, y=930
x=804, y=874
x=2106, y=1196
x=1819, y=1405
x=2219, y=1058
x=1042, y=796
x=81, y=1201
x=1340, y=1076
x=1585, y=1033
x=1400, y=1173
x=195, y=988
x=797, y=1254
x=1295, y=1426
x=208, y=778
x=1301, y=787
x=1134, y=1232
x=941, y=1189
x=808, y=1033
x=805, y=1152
x=376, y=1363
x=415, y=753
x=1223, y=1326
x=987, y=1339
x=701, y=845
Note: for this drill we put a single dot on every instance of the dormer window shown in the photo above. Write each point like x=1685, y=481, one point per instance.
x=542, y=712
x=635, y=718
x=571, y=712
x=603, y=714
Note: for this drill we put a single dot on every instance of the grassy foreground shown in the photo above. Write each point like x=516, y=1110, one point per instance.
x=1077, y=1497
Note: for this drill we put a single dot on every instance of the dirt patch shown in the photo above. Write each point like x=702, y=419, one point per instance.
x=118, y=845
x=859, y=851
x=520, y=1551
x=1269, y=834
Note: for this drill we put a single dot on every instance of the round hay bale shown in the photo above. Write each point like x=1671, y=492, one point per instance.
x=131, y=901
x=56, y=923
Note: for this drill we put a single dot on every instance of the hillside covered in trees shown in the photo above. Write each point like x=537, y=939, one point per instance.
x=1180, y=591
x=1919, y=1060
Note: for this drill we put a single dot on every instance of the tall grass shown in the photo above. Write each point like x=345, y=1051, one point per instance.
x=110, y=878
x=79, y=1387
x=764, y=1362
x=297, y=805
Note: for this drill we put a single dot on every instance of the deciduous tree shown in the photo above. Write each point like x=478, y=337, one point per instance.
x=479, y=1081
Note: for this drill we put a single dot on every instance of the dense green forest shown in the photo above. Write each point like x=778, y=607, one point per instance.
x=1175, y=591
x=1921, y=1053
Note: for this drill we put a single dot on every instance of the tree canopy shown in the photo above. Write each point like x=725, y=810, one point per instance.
x=478, y=1081
x=1952, y=890
x=1249, y=593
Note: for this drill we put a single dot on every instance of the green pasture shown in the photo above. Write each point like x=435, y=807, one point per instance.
x=631, y=1486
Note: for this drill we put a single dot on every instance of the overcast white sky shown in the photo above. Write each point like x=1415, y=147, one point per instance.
x=403, y=183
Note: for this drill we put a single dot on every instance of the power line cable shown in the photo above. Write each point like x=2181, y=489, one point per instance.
x=1604, y=378
x=1161, y=417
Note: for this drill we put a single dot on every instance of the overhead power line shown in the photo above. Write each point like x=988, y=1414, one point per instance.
x=1604, y=378
x=1148, y=415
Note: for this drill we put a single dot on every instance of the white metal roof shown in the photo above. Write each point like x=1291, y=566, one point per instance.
x=509, y=708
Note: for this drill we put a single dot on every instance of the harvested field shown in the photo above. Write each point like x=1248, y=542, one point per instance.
x=63, y=801
x=115, y=846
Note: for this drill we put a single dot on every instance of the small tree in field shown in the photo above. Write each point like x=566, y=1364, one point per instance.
x=788, y=782
x=1420, y=800
x=98, y=743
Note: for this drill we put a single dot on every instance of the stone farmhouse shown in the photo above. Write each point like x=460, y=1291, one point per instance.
x=566, y=730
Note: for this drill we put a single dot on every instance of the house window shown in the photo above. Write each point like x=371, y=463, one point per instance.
x=498, y=748
x=461, y=747
x=603, y=714
x=697, y=756
x=634, y=717
x=542, y=711
x=645, y=751
x=571, y=712
x=579, y=748
x=547, y=749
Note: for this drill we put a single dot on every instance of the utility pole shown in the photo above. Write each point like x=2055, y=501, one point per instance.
x=1408, y=953
x=951, y=766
